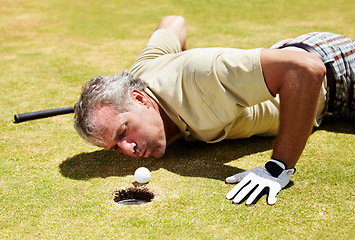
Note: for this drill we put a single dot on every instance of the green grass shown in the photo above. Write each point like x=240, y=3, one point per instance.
x=55, y=186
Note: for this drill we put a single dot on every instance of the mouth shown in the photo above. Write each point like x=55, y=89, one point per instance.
x=142, y=154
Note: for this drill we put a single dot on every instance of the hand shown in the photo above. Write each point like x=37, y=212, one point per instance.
x=258, y=180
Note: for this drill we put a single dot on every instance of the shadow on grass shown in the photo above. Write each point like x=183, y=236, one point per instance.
x=194, y=159
x=338, y=125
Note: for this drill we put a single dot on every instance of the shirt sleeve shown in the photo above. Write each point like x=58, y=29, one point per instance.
x=162, y=42
x=240, y=74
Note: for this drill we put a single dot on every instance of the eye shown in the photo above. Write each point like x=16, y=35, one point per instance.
x=123, y=133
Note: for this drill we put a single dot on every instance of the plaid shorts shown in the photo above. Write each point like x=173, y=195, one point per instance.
x=338, y=52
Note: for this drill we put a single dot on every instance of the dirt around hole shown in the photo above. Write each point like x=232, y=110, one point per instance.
x=133, y=196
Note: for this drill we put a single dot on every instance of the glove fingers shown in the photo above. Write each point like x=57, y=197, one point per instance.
x=237, y=177
x=256, y=195
x=232, y=193
x=273, y=191
x=253, y=184
x=244, y=192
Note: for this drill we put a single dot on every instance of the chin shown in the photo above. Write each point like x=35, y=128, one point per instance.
x=160, y=153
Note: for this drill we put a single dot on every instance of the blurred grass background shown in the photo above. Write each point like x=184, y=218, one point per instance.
x=55, y=186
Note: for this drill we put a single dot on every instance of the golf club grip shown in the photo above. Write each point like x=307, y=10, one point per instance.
x=22, y=117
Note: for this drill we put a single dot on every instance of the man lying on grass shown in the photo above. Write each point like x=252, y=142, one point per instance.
x=211, y=94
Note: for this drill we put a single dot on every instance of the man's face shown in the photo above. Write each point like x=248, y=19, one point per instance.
x=139, y=133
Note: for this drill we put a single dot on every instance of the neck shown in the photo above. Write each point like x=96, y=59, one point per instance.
x=170, y=127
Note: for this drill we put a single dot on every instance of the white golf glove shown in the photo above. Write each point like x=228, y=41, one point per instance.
x=273, y=177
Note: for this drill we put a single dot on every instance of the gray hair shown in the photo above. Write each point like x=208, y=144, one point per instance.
x=112, y=91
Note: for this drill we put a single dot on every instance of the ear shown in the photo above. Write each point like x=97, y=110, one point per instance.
x=140, y=97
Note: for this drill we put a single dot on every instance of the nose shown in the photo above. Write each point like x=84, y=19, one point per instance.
x=126, y=147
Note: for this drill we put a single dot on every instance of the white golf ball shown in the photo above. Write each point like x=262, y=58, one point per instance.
x=142, y=175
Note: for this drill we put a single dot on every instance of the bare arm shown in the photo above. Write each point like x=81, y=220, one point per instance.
x=297, y=78
x=176, y=24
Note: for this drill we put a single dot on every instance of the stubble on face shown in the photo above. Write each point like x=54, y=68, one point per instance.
x=145, y=131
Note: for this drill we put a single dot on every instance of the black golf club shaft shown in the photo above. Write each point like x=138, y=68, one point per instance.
x=22, y=117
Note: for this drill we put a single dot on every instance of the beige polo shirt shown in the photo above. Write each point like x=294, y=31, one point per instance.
x=209, y=93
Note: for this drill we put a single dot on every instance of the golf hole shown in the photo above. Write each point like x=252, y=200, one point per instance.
x=133, y=196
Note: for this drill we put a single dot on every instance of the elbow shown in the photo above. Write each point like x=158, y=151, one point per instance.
x=175, y=20
x=315, y=69
x=176, y=24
